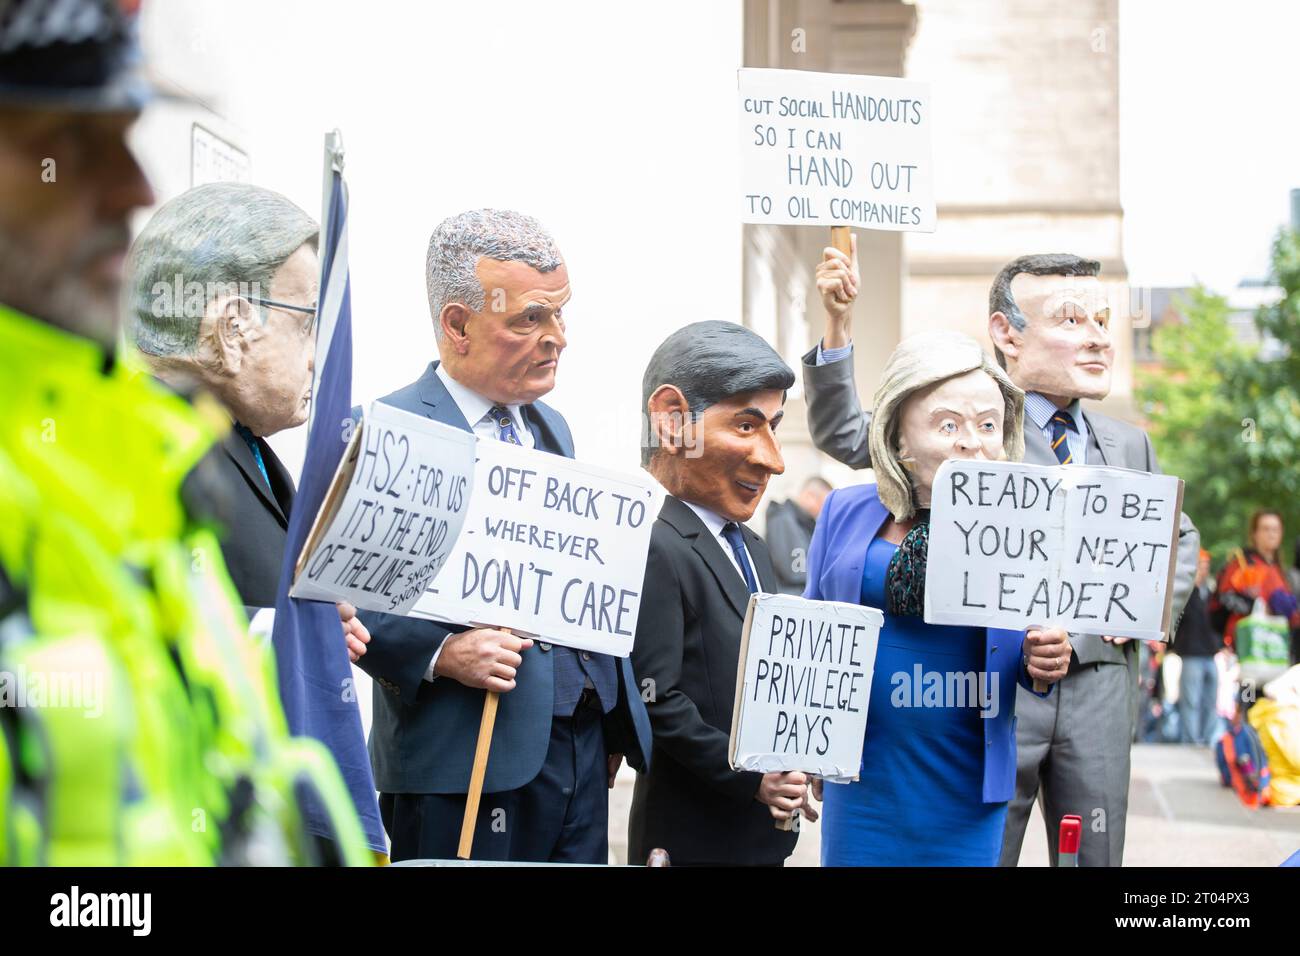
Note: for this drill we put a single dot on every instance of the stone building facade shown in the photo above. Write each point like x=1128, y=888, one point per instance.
x=1026, y=149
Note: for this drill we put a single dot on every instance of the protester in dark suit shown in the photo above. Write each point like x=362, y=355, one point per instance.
x=222, y=290
x=565, y=717
x=714, y=393
x=1053, y=337
x=789, y=531
x=223, y=299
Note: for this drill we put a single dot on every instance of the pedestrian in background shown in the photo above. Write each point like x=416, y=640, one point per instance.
x=1253, y=573
x=1196, y=642
x=790, y=526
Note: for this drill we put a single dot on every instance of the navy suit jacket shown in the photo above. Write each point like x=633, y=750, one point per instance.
x=424, y=732
x=850, y=519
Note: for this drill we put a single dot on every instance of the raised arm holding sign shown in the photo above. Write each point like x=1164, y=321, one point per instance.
x=1050, y=322
x=836, y=150
x=942, y=699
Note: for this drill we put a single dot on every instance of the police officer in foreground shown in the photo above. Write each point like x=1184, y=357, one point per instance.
x=139, y=724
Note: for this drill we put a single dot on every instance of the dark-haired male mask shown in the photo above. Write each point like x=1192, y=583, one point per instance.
x=1066, y=350
x=723, y=459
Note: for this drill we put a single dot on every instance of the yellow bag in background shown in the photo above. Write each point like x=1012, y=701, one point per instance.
x=1278, y=726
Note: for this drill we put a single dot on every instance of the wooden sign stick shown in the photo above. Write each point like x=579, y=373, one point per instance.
x=479, y=771
x=840, y=239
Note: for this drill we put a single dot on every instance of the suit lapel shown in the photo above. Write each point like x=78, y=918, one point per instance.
x=1037, y=450
x=281, y=481
x=1106, y=443
x=242, y=456
x=761, y=558
x=439, y=405
x=688, y=524
x=544, y=437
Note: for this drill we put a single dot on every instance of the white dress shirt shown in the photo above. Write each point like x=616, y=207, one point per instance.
x=829, y=356
x=475, y=408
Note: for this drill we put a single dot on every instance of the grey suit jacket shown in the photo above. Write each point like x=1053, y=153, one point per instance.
x=840, y=425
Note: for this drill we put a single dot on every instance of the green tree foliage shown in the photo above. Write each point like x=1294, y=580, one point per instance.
x=1224, y=417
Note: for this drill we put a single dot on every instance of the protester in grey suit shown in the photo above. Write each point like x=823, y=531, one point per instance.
x=1050, y=327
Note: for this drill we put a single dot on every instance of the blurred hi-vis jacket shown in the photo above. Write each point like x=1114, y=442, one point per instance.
x=139, y=723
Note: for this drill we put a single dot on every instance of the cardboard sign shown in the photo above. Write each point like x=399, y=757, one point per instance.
x=552, y=548
x=802, y=686
x=832, y=149
x=1089, y=549
x=392, y=514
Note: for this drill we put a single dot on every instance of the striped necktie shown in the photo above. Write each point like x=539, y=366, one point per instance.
x=1062, y=422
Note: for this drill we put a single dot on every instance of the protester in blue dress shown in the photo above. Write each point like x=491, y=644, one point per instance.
x=939, y=758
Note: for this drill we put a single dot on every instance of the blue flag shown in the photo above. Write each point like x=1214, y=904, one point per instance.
x=316, y=684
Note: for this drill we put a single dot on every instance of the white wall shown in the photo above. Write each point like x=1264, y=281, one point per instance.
x=611, y=122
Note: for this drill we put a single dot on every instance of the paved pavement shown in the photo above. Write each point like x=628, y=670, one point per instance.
x=1179, y=815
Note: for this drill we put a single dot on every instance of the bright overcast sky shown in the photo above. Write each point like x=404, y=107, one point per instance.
x=1209, y=143
x=614, y=123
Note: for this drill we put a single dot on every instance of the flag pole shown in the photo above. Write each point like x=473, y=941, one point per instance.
x=333, y=166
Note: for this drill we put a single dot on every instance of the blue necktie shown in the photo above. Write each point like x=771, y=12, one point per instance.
x=504, y=424
x=1061, y=422
x=731, y=531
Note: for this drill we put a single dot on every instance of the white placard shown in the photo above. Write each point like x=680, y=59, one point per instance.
x=835, y=149
x=803, y=683
x=392, y=515
x=552, y=548
x=1089, y=549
